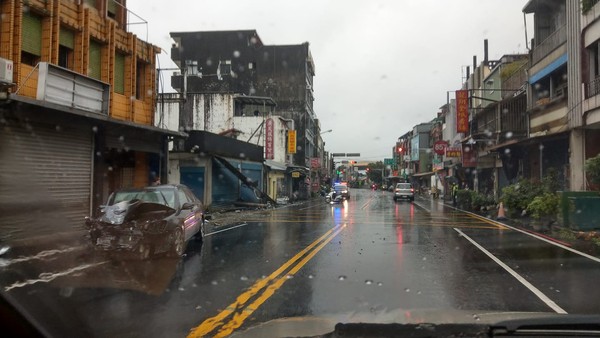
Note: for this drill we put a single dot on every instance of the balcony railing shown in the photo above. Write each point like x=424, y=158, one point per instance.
x=592, y=88
x=549, y=44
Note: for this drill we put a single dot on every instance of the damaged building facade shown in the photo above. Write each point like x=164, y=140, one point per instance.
x=232, y=85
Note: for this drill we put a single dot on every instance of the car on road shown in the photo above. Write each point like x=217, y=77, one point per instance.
x=343, y=190
x=404, y=191
x=148, y=221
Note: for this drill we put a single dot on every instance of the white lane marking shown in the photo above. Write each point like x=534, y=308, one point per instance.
x=216, y=232
x=422, y=207
x=40, y=255
x=46, y=277
x=594, y=258
x=523, y=281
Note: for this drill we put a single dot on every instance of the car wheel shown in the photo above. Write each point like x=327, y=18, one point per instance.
x=178, y=243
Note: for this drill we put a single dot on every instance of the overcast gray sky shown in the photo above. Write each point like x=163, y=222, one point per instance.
x=381, y=66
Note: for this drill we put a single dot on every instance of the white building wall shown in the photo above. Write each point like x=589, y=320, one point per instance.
x=220, y=112
x=249, y=124
x=166, y=115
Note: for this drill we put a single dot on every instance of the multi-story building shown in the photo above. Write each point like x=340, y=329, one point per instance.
x=550, y=93
x=229, y=79
x=590, y=118
x=78, y=122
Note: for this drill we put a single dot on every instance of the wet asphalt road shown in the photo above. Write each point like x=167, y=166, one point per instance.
x=369, y=255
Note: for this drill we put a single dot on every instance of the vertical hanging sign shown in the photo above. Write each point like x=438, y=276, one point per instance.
x=462, y=111
x=269, y=135
x=291, y=144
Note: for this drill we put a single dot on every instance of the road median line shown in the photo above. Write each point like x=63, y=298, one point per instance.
x=238, y=319
x=212, y=323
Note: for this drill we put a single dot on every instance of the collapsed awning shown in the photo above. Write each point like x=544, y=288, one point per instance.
x=245, y=179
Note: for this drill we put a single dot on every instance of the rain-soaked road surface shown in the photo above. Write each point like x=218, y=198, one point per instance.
x=369, y=255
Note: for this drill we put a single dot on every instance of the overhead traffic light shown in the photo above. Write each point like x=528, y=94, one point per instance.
x=399, y=150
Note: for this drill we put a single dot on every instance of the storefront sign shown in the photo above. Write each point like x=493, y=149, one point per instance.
x=315, y=162
x=439, y=147
x=454, y=152
x=469, y=156
x=295, y=174
x=291, y=144
x=269, y=142
x=462, y=111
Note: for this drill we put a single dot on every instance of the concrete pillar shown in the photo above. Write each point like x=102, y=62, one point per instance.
x=577, y=160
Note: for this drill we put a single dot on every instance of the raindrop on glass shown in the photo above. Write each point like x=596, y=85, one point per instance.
x=121, y=138
x=509, y=134
x=58, y=128
x=181, y=289
x=476, y=317
x=541, y=147
x=419, y=292
x=198, y=307
x=311, y=276
x=242, y=155
x=505, y=111
x=368, y=282
x=95, y=129
x=379, y=284
x=424, y=258
x=406, y=290
x=110, y=168
x=214, y=282
x=342, y=277
x=289, y=276
x=507, y=151
x=244, y=278
x=236, y=53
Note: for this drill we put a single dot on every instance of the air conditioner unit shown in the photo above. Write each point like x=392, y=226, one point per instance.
x=6, y=71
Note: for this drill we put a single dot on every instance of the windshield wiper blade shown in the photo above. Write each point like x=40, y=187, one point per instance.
x=563, y=325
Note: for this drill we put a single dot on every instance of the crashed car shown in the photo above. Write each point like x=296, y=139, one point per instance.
x=148, y=221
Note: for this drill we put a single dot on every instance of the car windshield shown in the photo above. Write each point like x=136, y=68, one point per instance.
x=212, y=168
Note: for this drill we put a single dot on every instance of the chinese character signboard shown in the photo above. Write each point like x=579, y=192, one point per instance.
x=462, y=111
x=315, y=162
x=439, y=147
x=291, y=144
x=469, y=156
x=269, y=142
x=454, y=152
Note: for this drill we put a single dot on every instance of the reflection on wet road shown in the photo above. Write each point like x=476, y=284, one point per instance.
x=370, y=255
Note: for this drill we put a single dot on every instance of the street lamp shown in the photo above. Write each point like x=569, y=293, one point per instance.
x=326, y=131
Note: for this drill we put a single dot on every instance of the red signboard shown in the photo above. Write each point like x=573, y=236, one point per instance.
x=462, y=111
x=453, y=152
x=315, y=162
x=469, y=156
x=439, y=147
x=269, y=142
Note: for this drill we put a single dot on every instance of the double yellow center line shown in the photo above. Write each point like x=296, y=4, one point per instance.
x=234, y=315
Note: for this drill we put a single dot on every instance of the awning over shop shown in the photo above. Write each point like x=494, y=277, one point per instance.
x=502, y=145
x=548, y=69
x=429, y=173
x=274, y=165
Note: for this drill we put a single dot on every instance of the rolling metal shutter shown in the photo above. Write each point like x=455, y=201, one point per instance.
x=45, y=178
x=31, y=41
x=119, y=73
x=66, y=38
x=95, y=64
